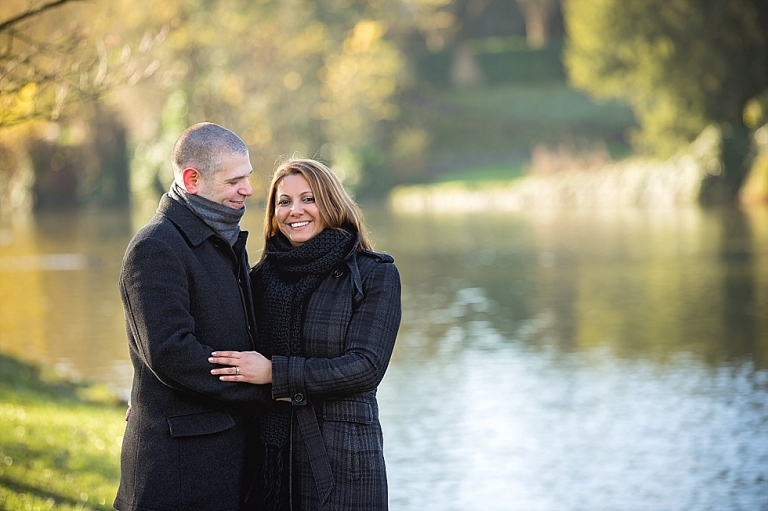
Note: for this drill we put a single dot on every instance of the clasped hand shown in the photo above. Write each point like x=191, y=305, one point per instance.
x=242, y=366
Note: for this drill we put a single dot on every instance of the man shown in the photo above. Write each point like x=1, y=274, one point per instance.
x=186, y=293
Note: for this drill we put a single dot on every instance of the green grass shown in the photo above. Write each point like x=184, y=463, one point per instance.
x=59, y=441
x=483, y=174
x=552, y=102
x=488, y=129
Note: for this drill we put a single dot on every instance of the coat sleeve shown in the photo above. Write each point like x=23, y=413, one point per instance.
x=155, y=292
x=370, y=341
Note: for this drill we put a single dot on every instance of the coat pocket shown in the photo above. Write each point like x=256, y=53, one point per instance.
x=202, y=423
x=352, y=435
x=346, y=410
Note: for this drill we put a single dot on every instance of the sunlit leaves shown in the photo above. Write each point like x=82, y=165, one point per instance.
x=434, y=19
x=62, y=55
x=359, y=82
x=680, y=64
x=287, y=76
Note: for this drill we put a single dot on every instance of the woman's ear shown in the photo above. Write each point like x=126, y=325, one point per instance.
x=191, y=178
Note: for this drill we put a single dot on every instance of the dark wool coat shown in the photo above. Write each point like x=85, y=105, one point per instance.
x=349, y=331
x=184, y=444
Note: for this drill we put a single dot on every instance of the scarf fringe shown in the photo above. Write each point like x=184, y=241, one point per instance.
x=273, y=479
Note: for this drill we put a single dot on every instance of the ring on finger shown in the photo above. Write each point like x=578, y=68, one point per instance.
x=237, y=370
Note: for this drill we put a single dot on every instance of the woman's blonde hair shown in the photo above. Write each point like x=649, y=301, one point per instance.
x=337, y=208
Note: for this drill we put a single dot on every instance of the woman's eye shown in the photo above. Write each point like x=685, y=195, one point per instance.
x=282, y=202
x=309, y=199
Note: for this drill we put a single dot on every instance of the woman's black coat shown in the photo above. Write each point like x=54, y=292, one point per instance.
x=349, y=332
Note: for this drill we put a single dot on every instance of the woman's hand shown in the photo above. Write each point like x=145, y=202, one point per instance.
x=245, y=366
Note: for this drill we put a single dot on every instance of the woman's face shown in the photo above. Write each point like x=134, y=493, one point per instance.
x=296, y=211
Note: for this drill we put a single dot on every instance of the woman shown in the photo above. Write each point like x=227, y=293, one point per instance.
x=328, y=310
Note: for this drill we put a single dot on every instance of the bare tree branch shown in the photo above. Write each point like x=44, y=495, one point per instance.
x=42, y=73
x=5, y=25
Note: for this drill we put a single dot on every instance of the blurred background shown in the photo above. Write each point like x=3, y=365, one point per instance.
x=573, y=190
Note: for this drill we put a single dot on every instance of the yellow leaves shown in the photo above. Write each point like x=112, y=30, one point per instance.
x=292, y=80
x=755, y=189
x=25, y=102
x=312, y=39
x=434, y=20
x=364, y=35
x=258, y=136
x=363, y=77
x=443, y=20
x=19, y=105
x=756, y=111
x=232, y=89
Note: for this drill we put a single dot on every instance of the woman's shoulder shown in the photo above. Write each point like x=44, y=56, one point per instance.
x=378, y=266
x=376, y=257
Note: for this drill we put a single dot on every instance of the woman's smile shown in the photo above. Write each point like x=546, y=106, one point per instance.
x=296, y=211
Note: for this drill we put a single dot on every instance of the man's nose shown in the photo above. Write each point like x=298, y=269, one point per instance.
x=247, y=189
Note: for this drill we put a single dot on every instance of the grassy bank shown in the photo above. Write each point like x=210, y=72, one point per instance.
x=59, y=441
x=489, y=133
x=629, y=182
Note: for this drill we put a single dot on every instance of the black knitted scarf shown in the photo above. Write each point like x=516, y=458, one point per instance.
x=288, y=276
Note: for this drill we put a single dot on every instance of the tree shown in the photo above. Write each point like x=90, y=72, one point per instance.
x=315, y=78
x=538, y=16
x=49, y=60
x=681, y=65
x=58, y=58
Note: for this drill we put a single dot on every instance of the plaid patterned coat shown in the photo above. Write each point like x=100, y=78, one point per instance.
x=349, y=331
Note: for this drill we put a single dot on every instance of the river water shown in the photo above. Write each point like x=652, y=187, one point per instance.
x=548, y=360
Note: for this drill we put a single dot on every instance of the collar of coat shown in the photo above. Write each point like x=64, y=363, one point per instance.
x=189, y=224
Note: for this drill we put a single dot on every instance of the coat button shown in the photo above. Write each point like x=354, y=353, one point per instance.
x=338, y=272
x=298, y=397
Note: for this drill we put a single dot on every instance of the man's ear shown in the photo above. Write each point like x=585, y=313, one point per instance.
x=191, y=178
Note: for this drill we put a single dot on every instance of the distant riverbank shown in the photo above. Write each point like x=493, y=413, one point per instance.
x=629, y=182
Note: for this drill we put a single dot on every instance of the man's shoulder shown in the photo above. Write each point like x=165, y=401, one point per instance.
x=173, y=221
x=159, y=227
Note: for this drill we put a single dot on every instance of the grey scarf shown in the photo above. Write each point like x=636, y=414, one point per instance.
x=225, y=221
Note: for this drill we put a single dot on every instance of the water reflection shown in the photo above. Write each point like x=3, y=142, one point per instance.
x=643, y=283
x=580, y=360
x=520, y=429
x=547, y=360
x=58, y=293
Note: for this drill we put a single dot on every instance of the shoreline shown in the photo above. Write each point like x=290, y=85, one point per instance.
x=635, y=182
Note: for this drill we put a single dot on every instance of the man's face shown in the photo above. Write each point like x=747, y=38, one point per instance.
x=229, y=186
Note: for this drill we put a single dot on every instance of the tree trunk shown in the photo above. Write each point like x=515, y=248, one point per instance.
x=736, y=158
x=538, y=15
x=465, y=71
